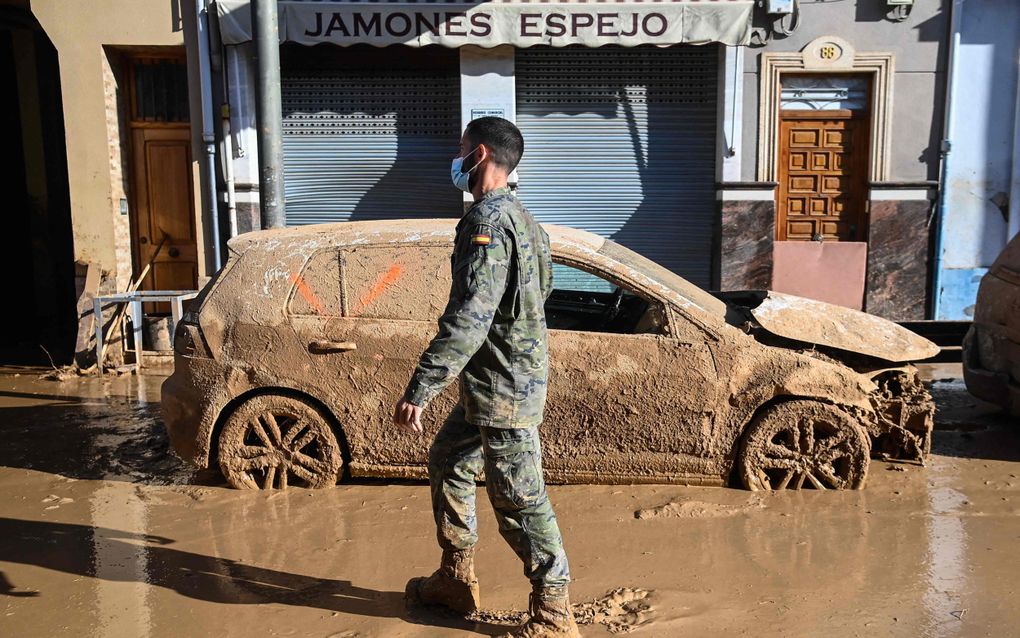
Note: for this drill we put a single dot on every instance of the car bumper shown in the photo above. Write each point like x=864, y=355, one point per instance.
x=905, y=415
x=989, y=385
x=191, y=404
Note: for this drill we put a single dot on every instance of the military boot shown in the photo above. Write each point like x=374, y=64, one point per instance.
x=453, y=585
x=551, y=616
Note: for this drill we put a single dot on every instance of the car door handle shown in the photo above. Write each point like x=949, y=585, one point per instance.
x=325, y=347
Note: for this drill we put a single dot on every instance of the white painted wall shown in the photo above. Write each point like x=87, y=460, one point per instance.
x=487, y=82
x=487, y=87
x=240, y=68
x=731, y=116
x=981, y=171
x=983, y=114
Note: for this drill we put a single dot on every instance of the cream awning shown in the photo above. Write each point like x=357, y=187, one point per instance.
x=488, y=24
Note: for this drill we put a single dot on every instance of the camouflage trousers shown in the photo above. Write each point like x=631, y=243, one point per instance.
x=512, y=460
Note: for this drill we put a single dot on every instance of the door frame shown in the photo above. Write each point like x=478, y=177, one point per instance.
x=131, y=58
x=827, y=55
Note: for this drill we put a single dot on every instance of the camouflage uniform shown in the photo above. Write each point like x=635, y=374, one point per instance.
x=492, y=336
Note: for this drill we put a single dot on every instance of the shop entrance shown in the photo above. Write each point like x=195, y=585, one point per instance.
x=162, y=184
x=368, y=132
x=622, y=142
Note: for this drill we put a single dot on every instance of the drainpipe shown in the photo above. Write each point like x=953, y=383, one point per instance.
x=1014, y=181
x=208, y=134
x=226, y=135
x=269, y=111
x=955, y=17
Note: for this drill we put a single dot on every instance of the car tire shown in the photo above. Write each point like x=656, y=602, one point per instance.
x=274, y=441
x=797, y=444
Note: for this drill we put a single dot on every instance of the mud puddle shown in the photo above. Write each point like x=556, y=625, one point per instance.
x=91, y=429
x=104, y=533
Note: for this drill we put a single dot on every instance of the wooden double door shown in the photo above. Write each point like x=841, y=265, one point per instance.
x=823, y=176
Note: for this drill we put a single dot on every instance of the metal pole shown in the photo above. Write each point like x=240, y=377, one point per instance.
x=955, y=17
x=269, y=111
x=208, y=134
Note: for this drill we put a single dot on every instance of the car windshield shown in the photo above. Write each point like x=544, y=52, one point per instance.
x=664, y=276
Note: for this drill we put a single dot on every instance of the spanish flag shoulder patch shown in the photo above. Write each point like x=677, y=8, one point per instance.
x=481, y=240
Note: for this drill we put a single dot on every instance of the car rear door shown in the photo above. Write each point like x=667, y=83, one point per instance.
x=390, y=298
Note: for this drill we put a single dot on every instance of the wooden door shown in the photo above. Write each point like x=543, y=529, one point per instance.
x=823, y=176
x=163, y=201
x=163, y=228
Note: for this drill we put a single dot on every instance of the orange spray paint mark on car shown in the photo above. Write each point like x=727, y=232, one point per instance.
x=385, y=281
x=306, y=293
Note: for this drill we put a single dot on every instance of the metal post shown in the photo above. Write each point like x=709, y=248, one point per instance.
x=176, y=313
x=269, y=111
x=208, y=135
x=137, y=320
x=97, y=315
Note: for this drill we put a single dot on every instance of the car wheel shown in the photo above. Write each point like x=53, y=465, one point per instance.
x=273, y=441
x=800, y=444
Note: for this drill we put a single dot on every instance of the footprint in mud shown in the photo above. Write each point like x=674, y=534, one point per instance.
x=57, y=501
x=696, y=509
x=620, y=611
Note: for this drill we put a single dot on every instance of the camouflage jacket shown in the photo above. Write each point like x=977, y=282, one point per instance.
x=493, y=333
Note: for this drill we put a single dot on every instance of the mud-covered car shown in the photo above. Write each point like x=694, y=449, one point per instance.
x=991, y=349
x=289, y=362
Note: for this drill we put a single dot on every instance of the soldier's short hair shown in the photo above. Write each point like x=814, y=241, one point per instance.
x=501, y=137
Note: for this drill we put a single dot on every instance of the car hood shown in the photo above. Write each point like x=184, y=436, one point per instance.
x=825, y=324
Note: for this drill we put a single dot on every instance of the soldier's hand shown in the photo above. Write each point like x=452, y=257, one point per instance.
x=407, y=417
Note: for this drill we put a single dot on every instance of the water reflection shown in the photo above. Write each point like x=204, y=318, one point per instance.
x=947, y=551
x=119, y=562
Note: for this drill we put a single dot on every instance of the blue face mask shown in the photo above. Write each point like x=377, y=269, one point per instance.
x=461, y=178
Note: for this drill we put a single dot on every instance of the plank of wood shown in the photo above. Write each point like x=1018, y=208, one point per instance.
x=84, y=344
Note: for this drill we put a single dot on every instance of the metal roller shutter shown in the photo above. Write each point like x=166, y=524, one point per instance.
x=370, y=145
x=621, y=142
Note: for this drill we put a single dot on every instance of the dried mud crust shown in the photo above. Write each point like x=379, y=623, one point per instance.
x=693, y=509
x=273, y=441
x=799, y=444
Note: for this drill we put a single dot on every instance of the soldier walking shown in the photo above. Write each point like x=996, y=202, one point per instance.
x=492, y=336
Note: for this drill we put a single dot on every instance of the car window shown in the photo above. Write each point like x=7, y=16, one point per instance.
x=570, y=278
x=316, y=289
x=586, y=301
x=405, y=282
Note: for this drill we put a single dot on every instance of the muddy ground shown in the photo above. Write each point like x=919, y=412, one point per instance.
x=104, y=533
